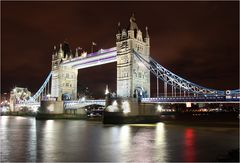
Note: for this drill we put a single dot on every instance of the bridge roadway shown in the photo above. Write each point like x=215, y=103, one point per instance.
x=192, y=99
x=82, y=103
x=171, y=100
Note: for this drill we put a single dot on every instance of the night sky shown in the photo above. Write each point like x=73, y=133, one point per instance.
x=198, y=41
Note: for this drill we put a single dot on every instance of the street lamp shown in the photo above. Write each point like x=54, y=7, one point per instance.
x=93, y=44
x=106, y=91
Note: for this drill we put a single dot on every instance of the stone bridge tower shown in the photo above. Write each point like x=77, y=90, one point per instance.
x=133, y=78
x=64, y=78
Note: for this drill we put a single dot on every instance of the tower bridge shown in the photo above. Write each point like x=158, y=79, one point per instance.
x=134, y=65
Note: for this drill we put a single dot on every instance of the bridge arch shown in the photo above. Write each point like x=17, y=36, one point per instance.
x=140, y=93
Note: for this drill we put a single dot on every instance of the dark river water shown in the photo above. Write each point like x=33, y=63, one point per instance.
x=26, y=139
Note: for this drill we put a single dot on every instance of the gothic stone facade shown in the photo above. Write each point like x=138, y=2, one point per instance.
x=64, y=78
x=131, y=74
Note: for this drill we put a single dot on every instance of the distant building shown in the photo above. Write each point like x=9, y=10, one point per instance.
x=5, y=97
x=18, y=95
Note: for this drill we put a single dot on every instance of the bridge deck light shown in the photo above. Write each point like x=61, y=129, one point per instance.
x=114, y=103
x=83, y=99
x=125, y=107
x=106, y=91
x=159, y=108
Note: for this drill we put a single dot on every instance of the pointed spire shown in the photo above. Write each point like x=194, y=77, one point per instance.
x=60, y=52
x=147, y=35
x=55, y=51
x=76, y=53
x=60, y=48
x=119, y=28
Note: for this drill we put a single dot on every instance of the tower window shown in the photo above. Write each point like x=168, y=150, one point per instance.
x=139, y=75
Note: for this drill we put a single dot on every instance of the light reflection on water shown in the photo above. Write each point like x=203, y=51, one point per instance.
x=160, y=142
x=25, y=139
x=125, y=135
x=32, y=143
x=189, y=145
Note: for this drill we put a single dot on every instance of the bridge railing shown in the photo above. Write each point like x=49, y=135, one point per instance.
x=190, y=99
x=176, y=81
x=81, y=103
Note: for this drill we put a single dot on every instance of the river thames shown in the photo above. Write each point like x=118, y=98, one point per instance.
x=26, y=139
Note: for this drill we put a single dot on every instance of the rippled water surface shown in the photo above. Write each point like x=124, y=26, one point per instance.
x=26, y=139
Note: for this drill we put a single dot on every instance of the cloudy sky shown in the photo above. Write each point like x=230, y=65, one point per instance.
x=198, y=41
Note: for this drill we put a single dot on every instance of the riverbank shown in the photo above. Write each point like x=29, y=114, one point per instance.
x=231, y=156
x=221, y=119
x=60, y=116
x=203, y=123
x=186, y=121
x=25, y=114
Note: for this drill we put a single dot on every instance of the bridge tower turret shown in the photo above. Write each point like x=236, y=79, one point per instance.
x=133, y=78
x=64, y=78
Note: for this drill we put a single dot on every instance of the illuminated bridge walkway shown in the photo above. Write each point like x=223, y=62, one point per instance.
x=211, y=99
x=82, y=103
x=78, y=104
x=201, y=99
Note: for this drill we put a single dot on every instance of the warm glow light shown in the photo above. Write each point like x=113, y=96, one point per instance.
x=160, y=142
x=159, y=108
x=112, y=108
x=114, y=103
x=50, y=108
x=188, y=104
x=35, y=109
x=125, y=107
x=84, y=54
x=125, y=135
x=83, y=99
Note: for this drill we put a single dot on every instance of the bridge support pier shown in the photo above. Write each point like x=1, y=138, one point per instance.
x=56, y=110
x=51, y=107
x=130, y=110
